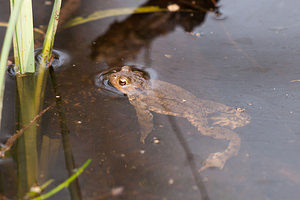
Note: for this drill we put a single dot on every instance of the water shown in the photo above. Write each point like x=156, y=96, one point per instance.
x=250, y=60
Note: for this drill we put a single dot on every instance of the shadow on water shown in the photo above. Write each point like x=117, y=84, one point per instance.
x=190, y=158
x=74, y=187
x=125, y=39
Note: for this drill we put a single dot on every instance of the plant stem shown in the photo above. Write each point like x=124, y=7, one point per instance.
x=47, y=50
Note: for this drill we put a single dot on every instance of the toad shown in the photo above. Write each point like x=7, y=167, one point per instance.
x=210, y=118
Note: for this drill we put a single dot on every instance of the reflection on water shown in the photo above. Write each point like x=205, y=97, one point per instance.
x=125, y=39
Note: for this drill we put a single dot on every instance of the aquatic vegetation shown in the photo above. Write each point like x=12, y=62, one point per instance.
x=31, y=81
x=31, y=72
x=23, y=41
x=5, y=50
x=20, y=28
x=61, y=186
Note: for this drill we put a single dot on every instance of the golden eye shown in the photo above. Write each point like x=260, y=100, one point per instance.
x=124, y=81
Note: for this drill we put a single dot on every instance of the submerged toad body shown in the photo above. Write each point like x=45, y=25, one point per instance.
x=210, y=118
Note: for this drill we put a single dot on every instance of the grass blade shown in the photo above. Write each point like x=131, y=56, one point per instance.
x=113, y=12
x=51, y=31
x=6, y=47
x=23, y=39
x=66, y=183
x=47, y=51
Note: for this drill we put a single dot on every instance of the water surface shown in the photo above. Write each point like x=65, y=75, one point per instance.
x=249, y=60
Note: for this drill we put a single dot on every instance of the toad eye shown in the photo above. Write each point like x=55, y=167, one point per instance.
x=124, y=81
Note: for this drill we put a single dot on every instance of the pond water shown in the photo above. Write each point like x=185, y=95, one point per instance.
x=248, y=59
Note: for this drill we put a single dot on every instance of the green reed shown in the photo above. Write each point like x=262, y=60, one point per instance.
x=30, y=85
x=23, y=41
x=31, y=89
x=5, y=49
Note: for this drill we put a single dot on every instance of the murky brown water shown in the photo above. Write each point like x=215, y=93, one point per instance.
x=248, y=60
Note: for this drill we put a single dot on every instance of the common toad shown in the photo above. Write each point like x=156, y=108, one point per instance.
x=210, y=118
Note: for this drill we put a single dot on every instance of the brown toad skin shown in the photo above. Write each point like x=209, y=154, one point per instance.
x=210, y=118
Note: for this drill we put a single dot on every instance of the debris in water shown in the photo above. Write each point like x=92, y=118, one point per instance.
x=195, y=187
x=173, y=7
x=197, y=34
x=117, y=191
x=155, y=140
x=277, y=29
x=219, y=16
x=171, y=181
x=168, y=56
x=36, y=189
x=241, y=109
x=48, y=3
x=292, y=81
x=142, y=151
